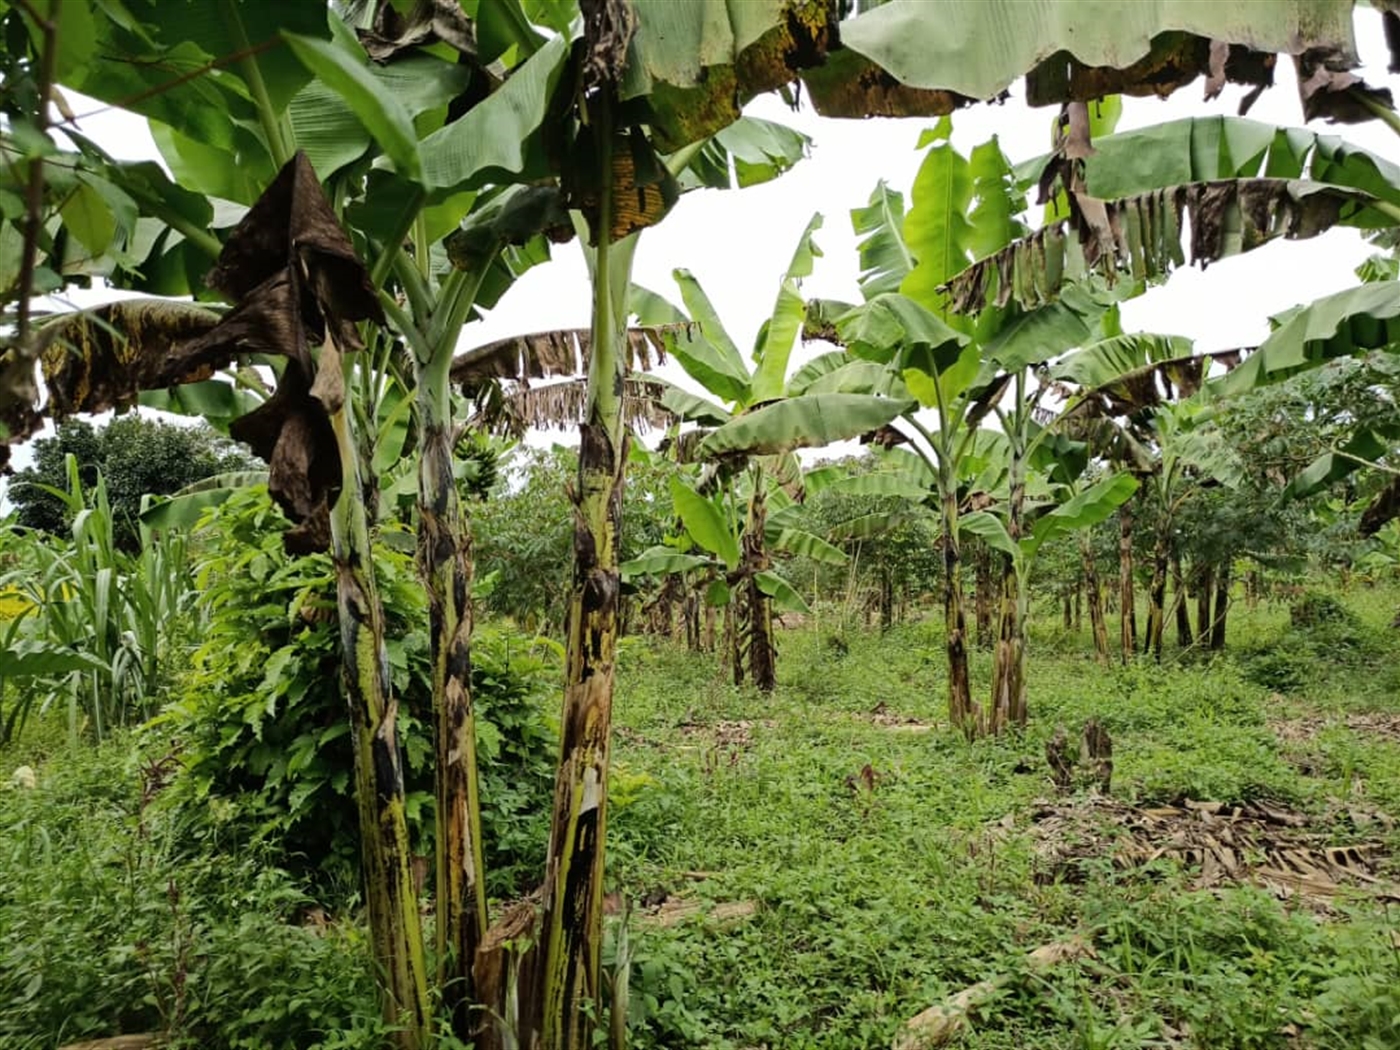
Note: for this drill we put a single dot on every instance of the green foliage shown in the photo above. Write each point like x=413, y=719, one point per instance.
x=263, y=715
x=1324, y=638
x=523, y=533
x=98, y=630
x=136, y=456
x=875, y=897
x=112, y=923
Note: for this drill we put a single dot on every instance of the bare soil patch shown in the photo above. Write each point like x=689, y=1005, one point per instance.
x=880, y=715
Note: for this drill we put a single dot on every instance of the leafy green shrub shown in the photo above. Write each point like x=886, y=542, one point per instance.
x=263, y=718
x=1324, y=634
x=112, y=925
x=1315, y=608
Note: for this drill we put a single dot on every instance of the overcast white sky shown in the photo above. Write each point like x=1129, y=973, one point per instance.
x=738, y=243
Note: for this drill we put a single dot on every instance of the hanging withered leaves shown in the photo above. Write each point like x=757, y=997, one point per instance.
x=1142, y=237
x=100, y=359
x=513, y=413
x=296, y=279
x=562, y=352
x=1384, y=508
x=608, y=27
x=1329, y=89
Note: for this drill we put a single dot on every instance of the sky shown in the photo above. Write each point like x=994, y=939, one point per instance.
x=738, y=242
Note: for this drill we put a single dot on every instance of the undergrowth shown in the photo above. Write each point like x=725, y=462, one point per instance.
x=879, y=863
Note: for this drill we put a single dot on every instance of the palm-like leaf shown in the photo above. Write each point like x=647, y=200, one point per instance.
x=885, y=258
x=1340, y=325
x=804, y=422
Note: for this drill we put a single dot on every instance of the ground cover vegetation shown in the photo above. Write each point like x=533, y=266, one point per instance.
x=274, y=785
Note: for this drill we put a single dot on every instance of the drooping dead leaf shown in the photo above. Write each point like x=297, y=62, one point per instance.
x=429, y=21
x=608, y=27
x=100, y=359
x=1385, y=507
x=1329, y=89
x=563, y=352
x=296, y=279
x=565, y=404
x=292, y=227
x=1141, y=237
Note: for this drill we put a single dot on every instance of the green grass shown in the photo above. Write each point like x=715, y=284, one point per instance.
x=890, y=867
x=874, y=904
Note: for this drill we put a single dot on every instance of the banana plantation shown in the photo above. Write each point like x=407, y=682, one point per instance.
x=949, y=659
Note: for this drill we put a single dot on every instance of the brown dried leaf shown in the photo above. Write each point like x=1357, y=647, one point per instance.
x=1328, y=88
x=292, y=227
x=564, y=352
x=430, y=21
x=100, y=359
x=608, y=27
x=295, y=274
x=565, y=404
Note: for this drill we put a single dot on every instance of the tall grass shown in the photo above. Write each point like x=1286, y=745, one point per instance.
x=94, y=632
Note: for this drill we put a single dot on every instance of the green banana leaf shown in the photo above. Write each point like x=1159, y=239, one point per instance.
x=705, y=522
x=784, y=595
x=1341, y=325
x=803, y=544
x=661, y=561
x=780, y=330
x=804, y=422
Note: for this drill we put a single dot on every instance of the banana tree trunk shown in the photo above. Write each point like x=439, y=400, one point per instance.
x=982, y=581
x=1008, y=705
x=1222, y=608
x=756, y=648
x=1205, y=591
x=1093, y=595
x=1127, y=616
x=445, y=568
x=1157, y=593
x=395, y=931
x=963, y=712
x=1183, y=613
x=572, y=920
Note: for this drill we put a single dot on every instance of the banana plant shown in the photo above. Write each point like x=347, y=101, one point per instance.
x=719, y=550
x=759, y=415
x=267, y=82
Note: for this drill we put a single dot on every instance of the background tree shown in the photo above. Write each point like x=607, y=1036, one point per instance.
x=137, y=456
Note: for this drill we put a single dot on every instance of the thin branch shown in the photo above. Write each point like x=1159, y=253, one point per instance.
x=251, y=51
x=1361, y=461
